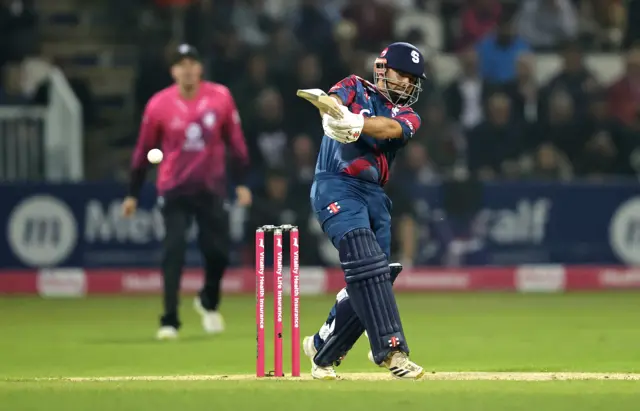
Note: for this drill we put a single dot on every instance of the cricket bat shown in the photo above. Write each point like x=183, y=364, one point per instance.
x=324, y=103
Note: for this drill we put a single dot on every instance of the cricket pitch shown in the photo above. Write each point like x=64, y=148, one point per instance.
x=434, y=376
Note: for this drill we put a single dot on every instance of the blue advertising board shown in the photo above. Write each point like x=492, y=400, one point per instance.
x=519, y=223
x=80, y=225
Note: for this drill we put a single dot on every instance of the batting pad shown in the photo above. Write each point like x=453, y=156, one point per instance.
x=347, y=327
x=368, y=279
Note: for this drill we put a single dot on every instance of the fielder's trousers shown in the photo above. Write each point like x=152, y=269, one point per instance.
x=213, y=239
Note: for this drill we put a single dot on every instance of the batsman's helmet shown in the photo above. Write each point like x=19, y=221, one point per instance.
x=407, y=59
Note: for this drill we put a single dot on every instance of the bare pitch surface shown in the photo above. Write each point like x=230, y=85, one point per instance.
x=439, y=376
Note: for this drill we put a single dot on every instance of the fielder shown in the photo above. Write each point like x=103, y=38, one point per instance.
x=363, y=133
x=194, y=122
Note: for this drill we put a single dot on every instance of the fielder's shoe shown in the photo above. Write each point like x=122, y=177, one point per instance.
x=167, y=332
x=317, y=372
x=401, y=367
x=212, y=321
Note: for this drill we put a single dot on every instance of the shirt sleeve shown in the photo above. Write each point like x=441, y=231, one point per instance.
x=148, y=138
x=236, y=142
x=345, y=89
x=409, y=121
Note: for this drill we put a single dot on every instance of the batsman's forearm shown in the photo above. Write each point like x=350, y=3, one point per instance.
x=382, y=128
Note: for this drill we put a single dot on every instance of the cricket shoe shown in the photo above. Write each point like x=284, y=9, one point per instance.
x=401, y=366
x=167, y=332
x=317, y=372
x=212, y=321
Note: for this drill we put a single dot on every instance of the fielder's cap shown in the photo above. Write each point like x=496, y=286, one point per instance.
x=405, y=57
x=185, y=51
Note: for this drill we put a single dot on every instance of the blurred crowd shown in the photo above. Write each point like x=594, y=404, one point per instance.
x=492, y=121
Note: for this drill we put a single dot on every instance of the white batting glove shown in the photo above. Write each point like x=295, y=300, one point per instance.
x=346, y=130
x=340, y=135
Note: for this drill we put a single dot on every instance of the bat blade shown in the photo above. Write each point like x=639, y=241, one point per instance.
x=324, y=103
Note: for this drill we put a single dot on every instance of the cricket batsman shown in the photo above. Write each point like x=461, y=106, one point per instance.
x=193, y=122
x=354, y=211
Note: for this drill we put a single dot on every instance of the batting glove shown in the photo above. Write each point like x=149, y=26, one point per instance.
x=346, y=130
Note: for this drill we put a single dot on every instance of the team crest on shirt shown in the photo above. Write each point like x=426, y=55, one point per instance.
x=334, y=208
x=193, y=138
x=394, y=111
x=209, y=119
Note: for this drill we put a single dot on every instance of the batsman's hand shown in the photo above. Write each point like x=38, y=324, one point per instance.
x=345, y=130
x=129, y=206
x=243, y=195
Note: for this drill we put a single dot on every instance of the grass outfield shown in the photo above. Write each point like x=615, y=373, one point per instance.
x=509, y=337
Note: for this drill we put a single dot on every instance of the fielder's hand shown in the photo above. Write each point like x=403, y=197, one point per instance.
x=347, y=129
x=129, y=206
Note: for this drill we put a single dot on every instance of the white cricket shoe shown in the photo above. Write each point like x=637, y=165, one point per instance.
x=212, y=321
x=167, y=332
x=317, y=372
x=401, y=367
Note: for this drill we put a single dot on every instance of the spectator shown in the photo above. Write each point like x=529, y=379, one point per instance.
x=229, y=58
x=153, y=75
x=607, y=147
x=304, y=159
x=561, y=128
x=277, y=203
x=304, y=118
x=443, y=140
x=282, y=50
x=599, y=119
x=499, y=51
x=18, y=34
x=632, y=34
x=251, y=22
x=624, y=94
x=340, y=66
x=603, y=22
x=255, y=80
x=416, y=167
x=545, y=24
x=267, y=133
x=551, y=164
x=574, y=78
x=523, y=90
x=312, y=27
x=374, y=22
x=495, y=144
x=598, y=157
x=479, y=18
x=427, y=26
x=464, y=96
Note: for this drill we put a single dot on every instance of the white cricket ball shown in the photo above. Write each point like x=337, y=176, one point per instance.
x=154, y=156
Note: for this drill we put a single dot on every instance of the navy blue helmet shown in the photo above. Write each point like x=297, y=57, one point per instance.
x=407, y=60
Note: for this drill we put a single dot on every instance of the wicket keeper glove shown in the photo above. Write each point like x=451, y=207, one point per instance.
x=346, y=130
